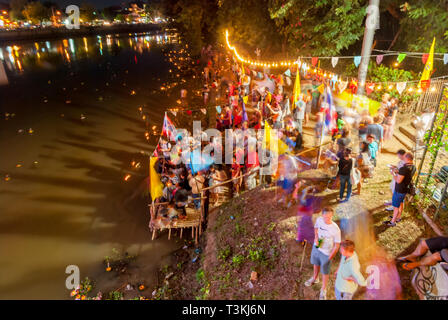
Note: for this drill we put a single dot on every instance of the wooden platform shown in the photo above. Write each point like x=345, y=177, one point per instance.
x=193, y=221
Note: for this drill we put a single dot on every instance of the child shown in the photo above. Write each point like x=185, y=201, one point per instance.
x=373, y=148
x=348, y=276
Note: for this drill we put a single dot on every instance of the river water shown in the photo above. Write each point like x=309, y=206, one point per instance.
x=73, y=152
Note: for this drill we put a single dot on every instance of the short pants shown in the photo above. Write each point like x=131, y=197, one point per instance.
x=437, y=244
x=318, y=258
x=398, y=199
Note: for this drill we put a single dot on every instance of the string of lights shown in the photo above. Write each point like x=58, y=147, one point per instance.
x=372, y=85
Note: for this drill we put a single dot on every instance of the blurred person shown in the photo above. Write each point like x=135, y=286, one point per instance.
x=348, y=275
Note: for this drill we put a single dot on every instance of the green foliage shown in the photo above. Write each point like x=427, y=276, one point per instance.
x=238, y=260
x=323, y=27
x=250, y=26
x=422, y=20
x=35, y=12
x=224, y=253
x=17, y=7
x=200, y=275
x=115, y=295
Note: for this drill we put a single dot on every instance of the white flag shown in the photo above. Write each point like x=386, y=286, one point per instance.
x=334, y=61
x=342, y=85
x=401, y=86
x=204, y=111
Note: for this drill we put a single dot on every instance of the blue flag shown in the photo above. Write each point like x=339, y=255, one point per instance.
x=245, y=118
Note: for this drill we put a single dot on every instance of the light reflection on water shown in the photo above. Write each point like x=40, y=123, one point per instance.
x=23, y=56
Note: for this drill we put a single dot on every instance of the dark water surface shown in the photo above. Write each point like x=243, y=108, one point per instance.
x=72, y=127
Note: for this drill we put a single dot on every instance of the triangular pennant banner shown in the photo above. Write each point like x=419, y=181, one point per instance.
x=425, y=57
x=401, y=57
x=288, y=81
x=424, y=84
x=314, y=61
x=445, y=58
x=246, y=99
x=173, y=112
x=401, y=86
x=342, y=85
x=218, y=109
x=369, y=88
x=379, y=59
x=288, y=73
x=204, y=111
x=334, y=61
x=357, y=61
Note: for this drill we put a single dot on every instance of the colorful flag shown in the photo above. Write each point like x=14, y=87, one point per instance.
x=379, y=59
x=280, y=147
x=445, y=58
x=245, y=118
x=425, y=57
x=427, y=71
x=401, y=86
x=156, y=186
x=314, y=61
x=357, y=61
x=334, y=61
x=168, y=130
x=329, y=110
x=296, y=90
x=401, y=57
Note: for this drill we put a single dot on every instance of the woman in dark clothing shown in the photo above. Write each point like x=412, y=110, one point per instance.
x=345, y=168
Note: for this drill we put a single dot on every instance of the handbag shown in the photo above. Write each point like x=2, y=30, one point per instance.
x=355, y=175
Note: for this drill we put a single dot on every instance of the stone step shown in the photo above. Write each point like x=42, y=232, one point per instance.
x=408, y=131
x=404, y=140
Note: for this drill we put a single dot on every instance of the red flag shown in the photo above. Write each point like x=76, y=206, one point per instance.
x=369, y=88
x=354, y=86
x=425, y=57
x=169, y=130
x=314, y=61
x=425, y=84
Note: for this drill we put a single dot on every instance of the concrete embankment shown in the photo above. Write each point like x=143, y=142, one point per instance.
x=56, y=33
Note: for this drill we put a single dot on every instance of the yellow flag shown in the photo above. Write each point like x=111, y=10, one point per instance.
x=296, y=89
x=426, y=75
x=246, y=99
x=280, y=147
x=321, y=89
x=156, y=186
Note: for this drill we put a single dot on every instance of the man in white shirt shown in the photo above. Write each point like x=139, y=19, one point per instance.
x=327, y=238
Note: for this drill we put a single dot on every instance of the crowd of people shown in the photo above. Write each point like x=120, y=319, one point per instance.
x=254, y=100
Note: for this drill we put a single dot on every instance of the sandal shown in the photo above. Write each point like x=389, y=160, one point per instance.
x=403, y=259
x=398, y=220
x=406, y=267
